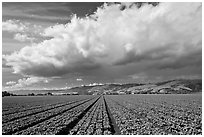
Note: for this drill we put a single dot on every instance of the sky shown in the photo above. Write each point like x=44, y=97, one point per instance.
x=63, y=45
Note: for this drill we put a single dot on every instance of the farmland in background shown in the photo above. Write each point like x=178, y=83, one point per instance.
x=102, y=114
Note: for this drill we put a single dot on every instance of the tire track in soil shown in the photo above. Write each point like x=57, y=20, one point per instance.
x=42, y=120
x=114, y=128
x=71, y=125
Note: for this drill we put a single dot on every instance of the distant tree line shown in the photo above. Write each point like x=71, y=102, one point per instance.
x=5, y=93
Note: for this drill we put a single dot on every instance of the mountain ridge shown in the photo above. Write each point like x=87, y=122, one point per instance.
x=177, y=86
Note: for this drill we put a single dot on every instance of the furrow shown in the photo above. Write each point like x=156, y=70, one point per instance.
x=114, y=127
x=41, y=120
x=65, y=131
x=40, y=111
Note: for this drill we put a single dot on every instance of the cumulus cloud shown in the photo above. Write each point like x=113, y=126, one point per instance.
x=10, y=83
x=95, y=84
x=22, y=37
x=23, y=31
x=4, y=62
x=13, y=26
x=167, y=32
x=79, y=79
x=24, y=82
x=22, y=27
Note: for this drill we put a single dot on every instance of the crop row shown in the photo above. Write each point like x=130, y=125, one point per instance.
x=107, y=115
x=25, y=122
x=21, y=109
x=58, y=123
x=21, y=105
x=11, y=117
x=95, y=122
x=141, y=117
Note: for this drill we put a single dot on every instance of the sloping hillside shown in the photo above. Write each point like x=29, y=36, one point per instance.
x=166, y=87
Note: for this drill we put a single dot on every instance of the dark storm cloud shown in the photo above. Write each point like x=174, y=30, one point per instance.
x=194, y=59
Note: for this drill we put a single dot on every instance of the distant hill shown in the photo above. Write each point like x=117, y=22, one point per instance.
x=180, y=86
x=166, y=87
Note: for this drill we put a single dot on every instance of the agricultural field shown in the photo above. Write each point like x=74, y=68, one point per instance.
x=103, y=115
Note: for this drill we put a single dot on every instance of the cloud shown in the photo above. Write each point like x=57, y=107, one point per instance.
x=163, y=34
x=4, y=62
x=95, y=84
x=191, y=59
x=189, y=77
x=10, y=83
x=13, y=26
x=23, y=37
x=20, y=27
x=141, y=75
x=24, y=82
x=23, y=31
x=79, y=79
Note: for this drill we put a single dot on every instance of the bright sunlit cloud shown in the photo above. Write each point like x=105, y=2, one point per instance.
x=162, y=36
